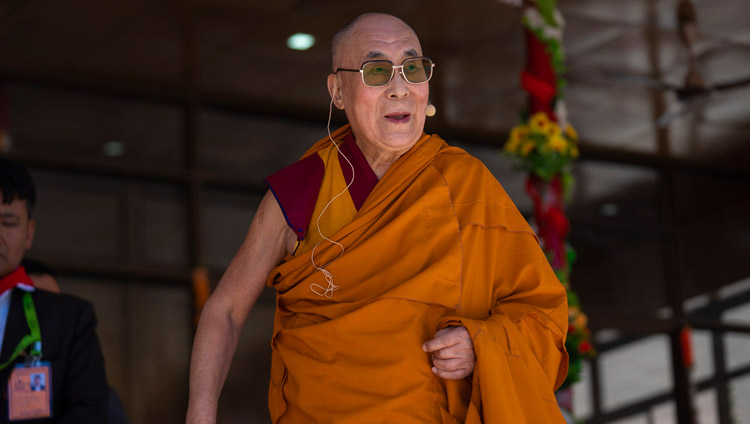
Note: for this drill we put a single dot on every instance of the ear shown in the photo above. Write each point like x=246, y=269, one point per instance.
x=334, y=89
x=31, y=226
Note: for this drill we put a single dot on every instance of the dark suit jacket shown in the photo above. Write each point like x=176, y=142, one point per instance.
x=69, y=343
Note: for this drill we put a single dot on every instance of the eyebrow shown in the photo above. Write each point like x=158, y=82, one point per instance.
x=8, y=215
x=377, y=54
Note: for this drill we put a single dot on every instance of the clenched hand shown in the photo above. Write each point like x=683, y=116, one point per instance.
x=452, y=353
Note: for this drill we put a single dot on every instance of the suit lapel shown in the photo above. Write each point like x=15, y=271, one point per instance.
x=15, y=327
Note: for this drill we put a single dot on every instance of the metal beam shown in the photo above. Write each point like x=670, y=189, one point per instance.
x=645, y=405
x=118, y=271
x=155, y=92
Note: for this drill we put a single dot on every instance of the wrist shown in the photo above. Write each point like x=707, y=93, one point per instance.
x=197, y=415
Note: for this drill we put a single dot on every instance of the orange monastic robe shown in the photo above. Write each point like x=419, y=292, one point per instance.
x=437, y=242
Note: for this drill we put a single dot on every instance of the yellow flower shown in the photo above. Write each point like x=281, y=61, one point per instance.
x=574, y=152
x=571, y=133
x=520, y=132
x=557, y=144
x=527, y=147
x=552, y=130
x=539, y=122
x=512, y=144
x=517, y=135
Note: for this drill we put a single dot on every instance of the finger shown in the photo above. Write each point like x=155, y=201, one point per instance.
x=443, y=331
x=455, y=351
x=456, y=336
x=439, y=335
x=437, y=343
x=447, y=353
x=449, y=364
x=441, y=341
x=451, y=375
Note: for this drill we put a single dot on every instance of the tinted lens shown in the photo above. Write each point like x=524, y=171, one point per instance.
x=417, y=70
x=377, y=74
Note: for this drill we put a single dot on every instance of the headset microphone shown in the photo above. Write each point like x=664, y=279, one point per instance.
x=430, y=110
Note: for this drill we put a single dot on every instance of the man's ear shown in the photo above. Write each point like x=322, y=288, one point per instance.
x=334, y=89
x=31, y=226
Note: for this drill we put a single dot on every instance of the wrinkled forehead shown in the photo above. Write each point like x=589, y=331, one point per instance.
x=392, y=40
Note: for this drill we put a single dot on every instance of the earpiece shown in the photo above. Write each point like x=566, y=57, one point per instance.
x=331, y=287
x=430, y=110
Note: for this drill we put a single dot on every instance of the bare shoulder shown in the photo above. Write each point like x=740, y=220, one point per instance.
x=269, y=220
x=264, y=247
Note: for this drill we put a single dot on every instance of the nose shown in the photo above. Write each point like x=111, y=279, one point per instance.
x=398, y=88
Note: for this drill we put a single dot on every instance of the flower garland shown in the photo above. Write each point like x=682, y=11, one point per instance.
x=544, y=144
x=540, y=146
x=547, y=26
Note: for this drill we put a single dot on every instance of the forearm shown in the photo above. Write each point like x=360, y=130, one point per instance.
x=225, y=312
x=213, y=349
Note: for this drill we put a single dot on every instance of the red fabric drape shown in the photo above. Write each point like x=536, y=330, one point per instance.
x=549, y=215
x=538, y=78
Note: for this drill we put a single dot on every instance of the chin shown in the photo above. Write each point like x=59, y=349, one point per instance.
x=402, y=141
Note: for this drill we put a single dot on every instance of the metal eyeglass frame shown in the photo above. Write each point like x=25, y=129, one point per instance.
x=400, y=68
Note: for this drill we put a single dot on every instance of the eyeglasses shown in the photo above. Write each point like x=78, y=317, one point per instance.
x=378, y=73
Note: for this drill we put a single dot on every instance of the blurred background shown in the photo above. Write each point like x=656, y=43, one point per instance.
x=149, y=125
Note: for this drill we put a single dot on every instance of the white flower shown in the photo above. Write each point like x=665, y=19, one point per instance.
x=561, y=112
x=535, y=21
x=559, y=20
x=553, y=33
x=533, y=18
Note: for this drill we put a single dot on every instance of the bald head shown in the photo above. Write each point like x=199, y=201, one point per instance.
x=386, y=120
x=342, y=43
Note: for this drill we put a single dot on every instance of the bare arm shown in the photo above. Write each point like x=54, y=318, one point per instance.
x=225, y=312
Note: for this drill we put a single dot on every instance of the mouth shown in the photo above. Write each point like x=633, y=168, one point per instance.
x=398, y=117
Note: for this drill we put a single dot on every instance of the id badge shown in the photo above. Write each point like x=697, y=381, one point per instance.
x=30, y=391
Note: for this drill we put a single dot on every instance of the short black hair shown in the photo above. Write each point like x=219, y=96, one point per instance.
x=16, y=182
x=32, y=266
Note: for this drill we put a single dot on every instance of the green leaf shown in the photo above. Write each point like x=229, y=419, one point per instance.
x=547, y=10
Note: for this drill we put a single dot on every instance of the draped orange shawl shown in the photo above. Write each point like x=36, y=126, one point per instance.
x=438, y=242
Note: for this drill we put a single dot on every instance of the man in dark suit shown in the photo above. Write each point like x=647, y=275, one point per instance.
x=45, y=278
x=36, y=383
x=67, y=324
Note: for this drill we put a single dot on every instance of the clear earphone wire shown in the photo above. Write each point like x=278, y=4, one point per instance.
x=317, y=288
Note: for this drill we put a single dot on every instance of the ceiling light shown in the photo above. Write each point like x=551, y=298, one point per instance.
x=300, y=41
x=113, y=149
x=610, y=209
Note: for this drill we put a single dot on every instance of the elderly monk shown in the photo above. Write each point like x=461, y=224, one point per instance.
x=409, y=288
